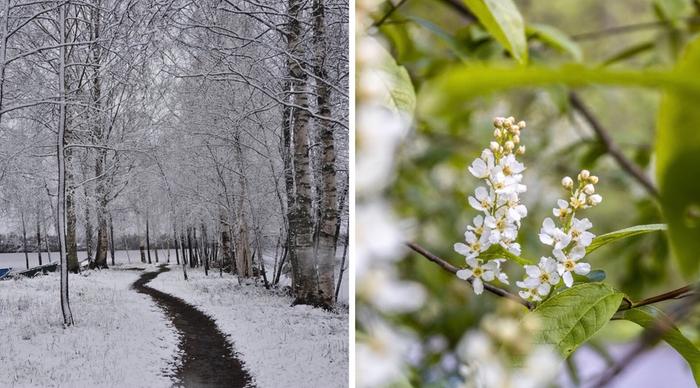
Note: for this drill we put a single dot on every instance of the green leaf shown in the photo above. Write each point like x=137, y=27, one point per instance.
x=498, y=252
x=399, y=89
x=450, y=40
x=556, y=39
x=468, y=81
x=596, y=275
x=503, y=21
x=646, y=316
x=608, y=238
x=571, y=317
x=678, y=166
x=672, y=10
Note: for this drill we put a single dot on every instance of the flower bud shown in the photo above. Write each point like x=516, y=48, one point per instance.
x=496, y=133
x=511, y=120
x=521, y=124
x=521, y=150
x=584, y=174
x=567, y=182
x=494, y=146
x=593, y=179
x=498, y=122
x=595, y=199
x=509, y=145
x=589, y=189
x=516, y=139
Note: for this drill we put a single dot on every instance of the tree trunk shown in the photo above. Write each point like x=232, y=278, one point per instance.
x=65, y=305
x=71, y=218
x=182, y=247
x=300, y=219
x=205, y=247
x=342, y=267
x=177, y=250
x=225, y=243
x=261, y=258
x=47, y=243
x=184, y=262
x=100, y=161
x=88, y=228
x=329, y=206
x=189, y=249
x=111, y=238
x=38, y=237
x=148, y=240
x=24, y=240
x=141, y=250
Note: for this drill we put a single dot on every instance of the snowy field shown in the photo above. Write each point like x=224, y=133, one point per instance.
x=280, y=345
x=120, y=337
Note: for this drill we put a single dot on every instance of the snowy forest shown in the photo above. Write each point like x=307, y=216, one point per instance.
x=172, y=170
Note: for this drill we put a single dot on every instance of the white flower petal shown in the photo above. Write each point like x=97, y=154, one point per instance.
x=568, y=279
x=533, y=271
x=461, y=249
x=582, y=268
x=478, y=286
x=464, y=274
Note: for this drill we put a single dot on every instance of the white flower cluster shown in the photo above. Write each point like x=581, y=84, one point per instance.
x=500, y=203
x=568, y=236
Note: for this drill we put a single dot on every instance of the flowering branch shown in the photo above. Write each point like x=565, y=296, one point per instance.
x=452, y=269
x=610, y=146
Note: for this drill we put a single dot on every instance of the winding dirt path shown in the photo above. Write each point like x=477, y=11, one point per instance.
x=207, y=357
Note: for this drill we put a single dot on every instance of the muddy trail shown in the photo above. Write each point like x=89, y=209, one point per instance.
x=207, y=358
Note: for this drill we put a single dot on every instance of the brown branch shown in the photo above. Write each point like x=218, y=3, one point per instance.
x=452, y=269
x=386, y=16
x=627, y=29
x=460, y=8
x=611, y=147
x=679, y=293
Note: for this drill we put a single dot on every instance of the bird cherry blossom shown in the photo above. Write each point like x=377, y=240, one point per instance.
x=567, y=263
x=542, y=276
x=479, y=273
x=498, y=199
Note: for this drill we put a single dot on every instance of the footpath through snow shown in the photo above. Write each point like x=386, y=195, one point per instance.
x=280, y=345
x=207, y=358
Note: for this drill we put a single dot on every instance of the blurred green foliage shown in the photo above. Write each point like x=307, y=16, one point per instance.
x=456, y=59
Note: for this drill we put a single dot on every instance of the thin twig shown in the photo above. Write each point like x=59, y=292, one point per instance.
x=452, y=269
x=679, y=293
x=627, y=29
x=460, y=8
x=610, y=147
x=389, y=13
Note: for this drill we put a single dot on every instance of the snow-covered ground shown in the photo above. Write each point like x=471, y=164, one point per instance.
x=280, y=345
x=120, y=338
